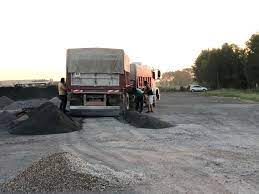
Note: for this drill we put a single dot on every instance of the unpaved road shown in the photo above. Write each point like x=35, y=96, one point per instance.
x=212, y=149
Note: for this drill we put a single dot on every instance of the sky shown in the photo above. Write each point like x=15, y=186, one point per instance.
x=165, y=34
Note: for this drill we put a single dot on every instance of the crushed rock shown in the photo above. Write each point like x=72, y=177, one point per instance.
x=64, y=172
x=6, y=120
x=5, y=101
x=22, y=118
x=56, y=101
x=145, y=121
x=25, y=104
x=46, y=119
x=112, y=176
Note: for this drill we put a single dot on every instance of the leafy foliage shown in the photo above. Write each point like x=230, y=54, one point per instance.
x=173, y=79
x=229, y=66
x=252, y=68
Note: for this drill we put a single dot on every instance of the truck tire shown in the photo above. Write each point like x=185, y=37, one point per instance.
x=154, y=101
x=125, y=102
x=131, y=102
x=157, y=95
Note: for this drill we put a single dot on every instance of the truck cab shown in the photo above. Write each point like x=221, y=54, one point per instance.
x=139, y=73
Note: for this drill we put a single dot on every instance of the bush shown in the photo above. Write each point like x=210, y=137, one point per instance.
x=174, y=89
x=167, y=89
x=182, y=89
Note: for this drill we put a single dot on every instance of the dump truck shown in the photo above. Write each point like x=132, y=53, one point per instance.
x=139, y=73
x=99, y=81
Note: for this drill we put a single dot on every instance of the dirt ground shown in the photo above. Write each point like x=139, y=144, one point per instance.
x=211, y=148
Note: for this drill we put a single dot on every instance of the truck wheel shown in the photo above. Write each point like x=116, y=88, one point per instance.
x=154, y=101
x=126, y=101
x=157, y=95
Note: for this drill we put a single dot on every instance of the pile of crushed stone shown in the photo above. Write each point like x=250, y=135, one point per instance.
x=5, y=101
x=64, y=172
x=25, y=104
x=145, y=121
x=6, y=120
x=56, y=101
x=46, y=119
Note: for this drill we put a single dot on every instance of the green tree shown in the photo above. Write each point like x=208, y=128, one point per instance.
x=232, y=67
x=252, y=68
x=200, y=67
x=176, y=78
x=182, y=78
x=206, y=68
x=222, y=67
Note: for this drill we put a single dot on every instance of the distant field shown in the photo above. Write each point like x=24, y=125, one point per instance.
x=242, y=94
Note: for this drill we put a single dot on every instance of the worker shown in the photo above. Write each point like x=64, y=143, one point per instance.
x=150, y=97
x=138, y=93
x=62, y=91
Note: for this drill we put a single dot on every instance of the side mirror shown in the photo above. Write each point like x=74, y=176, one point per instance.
x=153, y=75
x=158, y=74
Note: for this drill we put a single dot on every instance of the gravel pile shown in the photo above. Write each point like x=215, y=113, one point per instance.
x=26, y=104
x=46, y=119
x=123, y=178
x=6, y=120
x=56, y=101
x=5, y=101
x=61, y=172
x=145, y=121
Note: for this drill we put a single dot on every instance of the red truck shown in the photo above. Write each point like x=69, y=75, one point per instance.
x=140, y=73
x=99, y=81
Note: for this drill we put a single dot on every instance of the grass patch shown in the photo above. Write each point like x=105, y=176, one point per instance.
x=241, y=94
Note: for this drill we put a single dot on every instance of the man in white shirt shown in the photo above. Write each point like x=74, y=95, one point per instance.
x=150, y=96
x=62, y=92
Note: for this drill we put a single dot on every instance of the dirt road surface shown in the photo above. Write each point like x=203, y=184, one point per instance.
x=213, y=147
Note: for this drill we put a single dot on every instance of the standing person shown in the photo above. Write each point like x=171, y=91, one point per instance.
x=138, y=93
x=150, y=97
x=62, y=91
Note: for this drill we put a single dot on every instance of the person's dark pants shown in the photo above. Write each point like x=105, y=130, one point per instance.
x=63, y=103
x=139, y=103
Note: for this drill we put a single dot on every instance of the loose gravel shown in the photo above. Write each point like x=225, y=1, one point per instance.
x=6, y=120
x=212, y=149
x=56, y=101
x=26, y=104
x=46, y=119
x=115, y=178
x=63, y=172
x=145, y=121
x=5, y=101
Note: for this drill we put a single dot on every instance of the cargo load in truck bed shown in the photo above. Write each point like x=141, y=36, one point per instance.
x=97, y=60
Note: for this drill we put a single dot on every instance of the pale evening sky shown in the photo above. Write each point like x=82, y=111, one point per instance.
x=167, y=34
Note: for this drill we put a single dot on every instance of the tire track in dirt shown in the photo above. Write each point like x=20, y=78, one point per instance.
x=155, y=163
x=92, y=152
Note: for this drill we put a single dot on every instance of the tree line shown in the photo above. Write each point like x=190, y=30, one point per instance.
x=176, y=79
x=229, y=66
